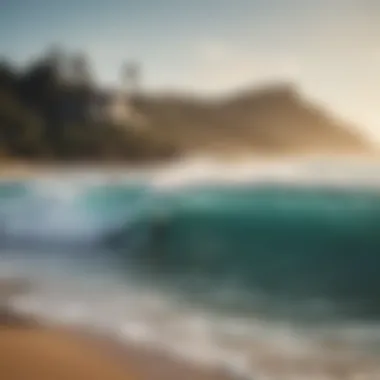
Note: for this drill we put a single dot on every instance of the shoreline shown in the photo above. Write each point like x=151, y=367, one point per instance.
x=95, y=353
x=26, y=167
x=166, y=367
x=332, y=165
x=146, y=362
x=359, y=174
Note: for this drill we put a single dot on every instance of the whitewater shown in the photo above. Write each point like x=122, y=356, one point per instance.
x=258, y=268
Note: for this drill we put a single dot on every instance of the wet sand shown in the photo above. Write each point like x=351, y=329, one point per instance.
x=30, y=351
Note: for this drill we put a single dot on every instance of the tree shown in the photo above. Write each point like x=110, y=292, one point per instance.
x=8, y=77
x=42, y=116
x=81, y=71
x=20, y=129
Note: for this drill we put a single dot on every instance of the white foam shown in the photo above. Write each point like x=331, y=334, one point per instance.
x=52, y=211
x=199, y=171
x=53, y=199
x=149, y=317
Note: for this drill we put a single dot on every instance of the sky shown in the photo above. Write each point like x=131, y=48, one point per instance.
x=329, y=48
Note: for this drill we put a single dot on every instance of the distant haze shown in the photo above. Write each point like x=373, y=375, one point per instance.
x=329, y=47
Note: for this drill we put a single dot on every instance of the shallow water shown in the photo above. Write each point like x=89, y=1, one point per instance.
x=219, y=270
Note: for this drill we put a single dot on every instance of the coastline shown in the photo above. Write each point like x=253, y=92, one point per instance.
x=26, y=340
x=243, y=165
x=149, y=363
x=101, y=357
x=24, y=168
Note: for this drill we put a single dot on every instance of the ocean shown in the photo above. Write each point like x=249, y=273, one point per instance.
x=221, y=264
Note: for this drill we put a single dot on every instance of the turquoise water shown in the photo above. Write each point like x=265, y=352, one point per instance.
x=292, y=245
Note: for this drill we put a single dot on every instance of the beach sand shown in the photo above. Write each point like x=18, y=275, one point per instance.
x=30, y=351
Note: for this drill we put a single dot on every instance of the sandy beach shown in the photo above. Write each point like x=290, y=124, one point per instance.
x=31, y=351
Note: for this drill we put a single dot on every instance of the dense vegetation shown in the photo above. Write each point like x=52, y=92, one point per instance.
x=45, y=118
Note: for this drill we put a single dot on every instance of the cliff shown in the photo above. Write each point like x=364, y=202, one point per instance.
x=276, y=119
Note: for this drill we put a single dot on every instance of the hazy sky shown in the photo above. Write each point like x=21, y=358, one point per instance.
x=330, y=47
